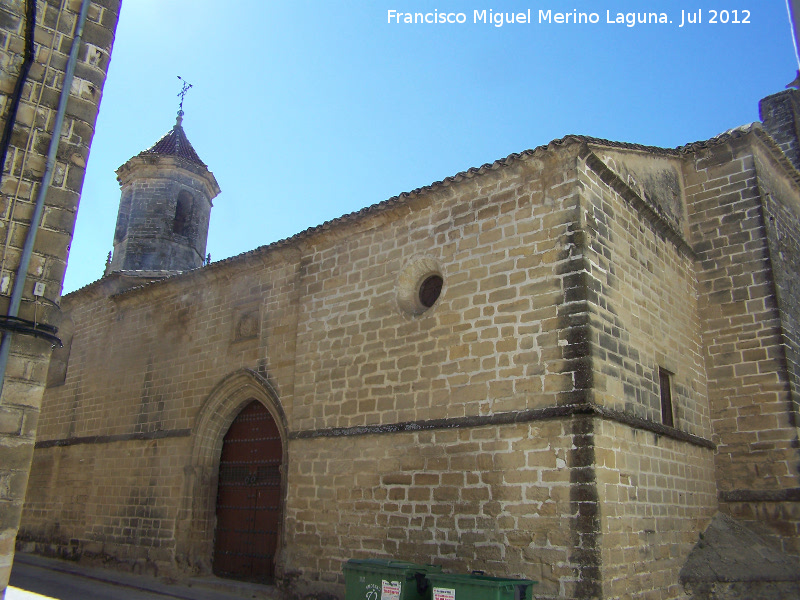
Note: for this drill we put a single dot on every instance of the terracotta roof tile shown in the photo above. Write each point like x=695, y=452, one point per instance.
x=175, y=143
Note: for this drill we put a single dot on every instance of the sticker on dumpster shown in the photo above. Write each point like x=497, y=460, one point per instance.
x=372, y=592
x=390, y=590
x=444, y=594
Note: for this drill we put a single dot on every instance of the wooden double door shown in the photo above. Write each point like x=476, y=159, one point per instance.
x=249, y=497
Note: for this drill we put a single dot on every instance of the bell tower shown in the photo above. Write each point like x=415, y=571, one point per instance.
x=164, y=210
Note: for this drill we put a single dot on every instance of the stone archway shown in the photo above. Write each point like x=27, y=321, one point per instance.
x=197, y=514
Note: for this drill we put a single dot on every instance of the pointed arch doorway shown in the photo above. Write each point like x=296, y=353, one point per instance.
x=249, y=497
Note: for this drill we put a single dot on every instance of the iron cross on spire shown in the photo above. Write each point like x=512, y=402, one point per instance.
x=182, y=93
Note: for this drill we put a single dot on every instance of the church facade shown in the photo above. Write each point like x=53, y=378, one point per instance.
x=558, y=366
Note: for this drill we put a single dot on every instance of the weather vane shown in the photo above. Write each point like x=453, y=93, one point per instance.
x=182, y=93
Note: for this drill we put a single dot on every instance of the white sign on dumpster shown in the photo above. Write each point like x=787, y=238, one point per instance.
x=444, y=594
x=390, y=590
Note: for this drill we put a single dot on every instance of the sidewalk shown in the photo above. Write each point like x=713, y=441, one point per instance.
x=37, y=578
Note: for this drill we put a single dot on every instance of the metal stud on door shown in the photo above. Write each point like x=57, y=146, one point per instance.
x=248, y=498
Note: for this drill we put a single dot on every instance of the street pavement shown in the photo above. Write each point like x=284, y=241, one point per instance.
x=37, y=578
x=35, y=583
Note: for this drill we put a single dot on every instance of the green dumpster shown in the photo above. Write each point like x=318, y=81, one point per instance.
x=386, y=579
x=479, y=587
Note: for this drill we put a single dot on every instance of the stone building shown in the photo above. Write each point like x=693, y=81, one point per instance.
x=564, y=365
x=54, y=57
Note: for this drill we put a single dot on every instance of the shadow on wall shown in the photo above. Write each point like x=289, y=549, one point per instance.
x=731, y=561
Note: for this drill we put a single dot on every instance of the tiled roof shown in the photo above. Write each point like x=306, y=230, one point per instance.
x=175, y=143
x=735, y=133
x=500, y=163
x=731, y=134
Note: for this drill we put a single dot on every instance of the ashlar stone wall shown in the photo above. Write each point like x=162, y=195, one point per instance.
x=643, y=299
x=140, y=366
x=491, y=342
x=653, y=479
x=748, y=339
x=657, y=494
x=493, y=498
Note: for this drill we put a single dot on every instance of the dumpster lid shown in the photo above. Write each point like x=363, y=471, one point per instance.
x=388, y=563
x=478, y=580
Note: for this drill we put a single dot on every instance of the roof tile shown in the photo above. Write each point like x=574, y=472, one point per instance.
x=175, y=143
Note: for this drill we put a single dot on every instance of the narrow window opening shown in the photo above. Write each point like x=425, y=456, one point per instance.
x=665, y=386
x=183, y=213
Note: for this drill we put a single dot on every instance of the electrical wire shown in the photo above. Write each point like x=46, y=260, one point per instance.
x=794, y=38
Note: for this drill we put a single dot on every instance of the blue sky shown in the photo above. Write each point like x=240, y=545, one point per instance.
x=310, y=109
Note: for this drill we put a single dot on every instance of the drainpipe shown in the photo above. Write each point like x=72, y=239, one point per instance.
x=27, y=250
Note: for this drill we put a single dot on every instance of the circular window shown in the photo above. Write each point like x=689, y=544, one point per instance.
x=430, y=290
x=419, y=286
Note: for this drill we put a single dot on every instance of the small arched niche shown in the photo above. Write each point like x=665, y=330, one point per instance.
x=184, y=208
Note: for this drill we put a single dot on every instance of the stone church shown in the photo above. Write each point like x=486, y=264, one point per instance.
x=565, y=366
